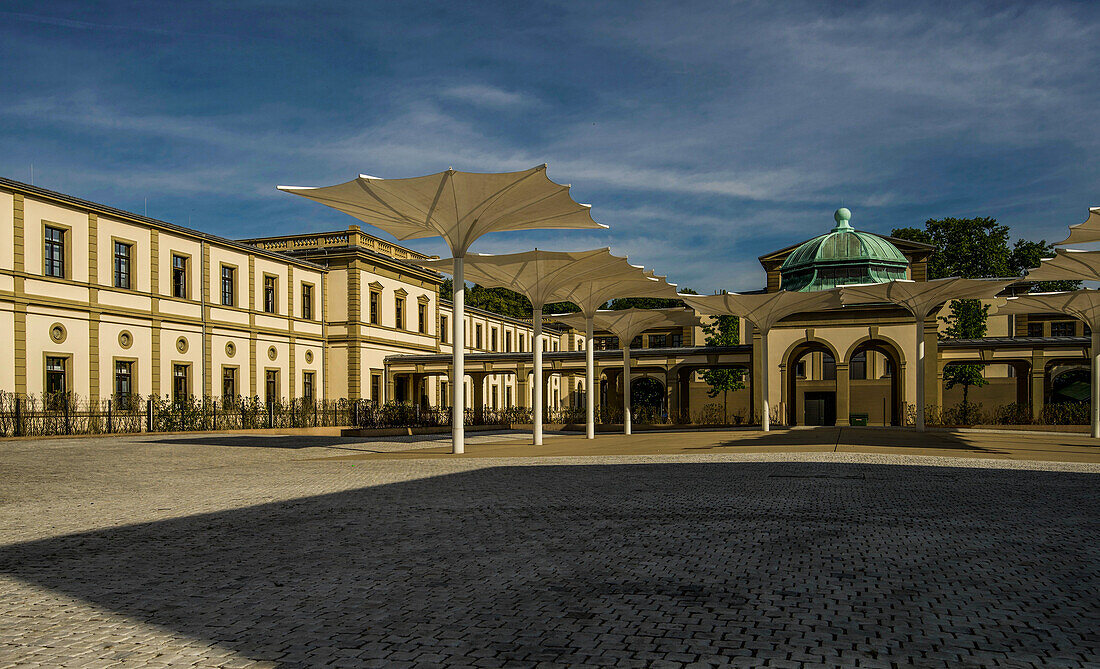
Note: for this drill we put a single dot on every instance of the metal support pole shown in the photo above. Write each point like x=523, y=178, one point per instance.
x=589, y=380
x=765, y=418
x=536, y=386
x=1095, y=354
x=458, y=369
x=919, y=396
x=626, y=387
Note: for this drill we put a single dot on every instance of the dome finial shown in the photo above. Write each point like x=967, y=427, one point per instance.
x=842, y=216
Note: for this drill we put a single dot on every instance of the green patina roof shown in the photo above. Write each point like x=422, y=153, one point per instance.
x=842, y=256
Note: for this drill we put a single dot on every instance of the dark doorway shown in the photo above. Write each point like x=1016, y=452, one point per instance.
x=821, y=408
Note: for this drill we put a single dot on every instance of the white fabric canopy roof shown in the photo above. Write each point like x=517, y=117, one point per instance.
x=538, y=274
x=763, y=310
x=629, y=323
x=1089, y=231
x=1068, y=264
x=1083, y=304
x=920, y=298
x=590, y=294
x=458, y=206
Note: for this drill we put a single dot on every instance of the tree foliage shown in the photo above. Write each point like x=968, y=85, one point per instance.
x=502, y=301
x=975, y=248
x=723, y=331
x=967, y=320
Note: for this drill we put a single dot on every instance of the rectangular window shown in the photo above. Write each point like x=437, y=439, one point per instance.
x=477, y=336
x=56, y=385
x=122, y=265
x=443, y=394
x=54, y=253
x=422, y=318
x=857, y=367
x=307, y=386
x=606, y=343
x=399, y=313
x=800, y=369
x=179, y=276
x=269, y=293
x=376, y=388
x=555, y=344
x=228, y=286
x=307, y=301
x=507, y=342
x=375, y=298
x=658, y=341
x=1035, y=329
x=180, y=387
x=676, y=339
x=124, y=382
x=1062, y=329
x=828, y=367
x=888, y=367
x=271, y=386
x=443, y=330
x=229, y=384
x=493, y=339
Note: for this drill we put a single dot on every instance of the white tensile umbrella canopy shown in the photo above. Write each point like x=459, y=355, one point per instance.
x=921, y=298
x=460, y=207
x=627, y=324
x=589, y=295
x=457, y=206
x=763, y=310
x=1068, y=264
x=538, y=275
x=1083, y=304
x=1082, y=233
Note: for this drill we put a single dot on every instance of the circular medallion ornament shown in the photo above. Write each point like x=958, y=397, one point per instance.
x=272, y=353
x=309, y=356
x=181, y=345
x=57, y=333
x=230, y=349
x=125, y=339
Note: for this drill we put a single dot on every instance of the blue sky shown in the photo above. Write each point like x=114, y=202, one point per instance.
x=704, y=134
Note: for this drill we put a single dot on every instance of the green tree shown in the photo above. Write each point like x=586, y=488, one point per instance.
x=723, y=331
x=966, y=247
x=967, y=320
x=1027, y=255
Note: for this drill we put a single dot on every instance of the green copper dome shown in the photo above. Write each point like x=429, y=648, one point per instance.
x=842, y=256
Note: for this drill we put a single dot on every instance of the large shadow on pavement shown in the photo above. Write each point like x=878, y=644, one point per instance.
x=626, y=563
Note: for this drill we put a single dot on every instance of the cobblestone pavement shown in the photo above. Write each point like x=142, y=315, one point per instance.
x=239, y=551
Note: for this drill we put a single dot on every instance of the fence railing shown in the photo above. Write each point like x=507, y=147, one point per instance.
x=25, y=415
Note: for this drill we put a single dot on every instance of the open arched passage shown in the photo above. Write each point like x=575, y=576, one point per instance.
x=811, y=384
x=875, y=382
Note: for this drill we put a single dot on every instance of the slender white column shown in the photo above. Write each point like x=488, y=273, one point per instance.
x=536, y=385
x=919, y=398
x=589, y=380
x=1095, y=380
x=458, y=343
x=765, y=417
x=626, y=387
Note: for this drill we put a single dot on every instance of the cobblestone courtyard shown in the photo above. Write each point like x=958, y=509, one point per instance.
x=264, y=551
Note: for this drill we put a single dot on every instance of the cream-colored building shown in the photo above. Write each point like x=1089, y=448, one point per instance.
x=104, y=303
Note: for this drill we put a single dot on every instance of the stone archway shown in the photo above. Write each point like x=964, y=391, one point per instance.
x=867, y=396
x=820, y=401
